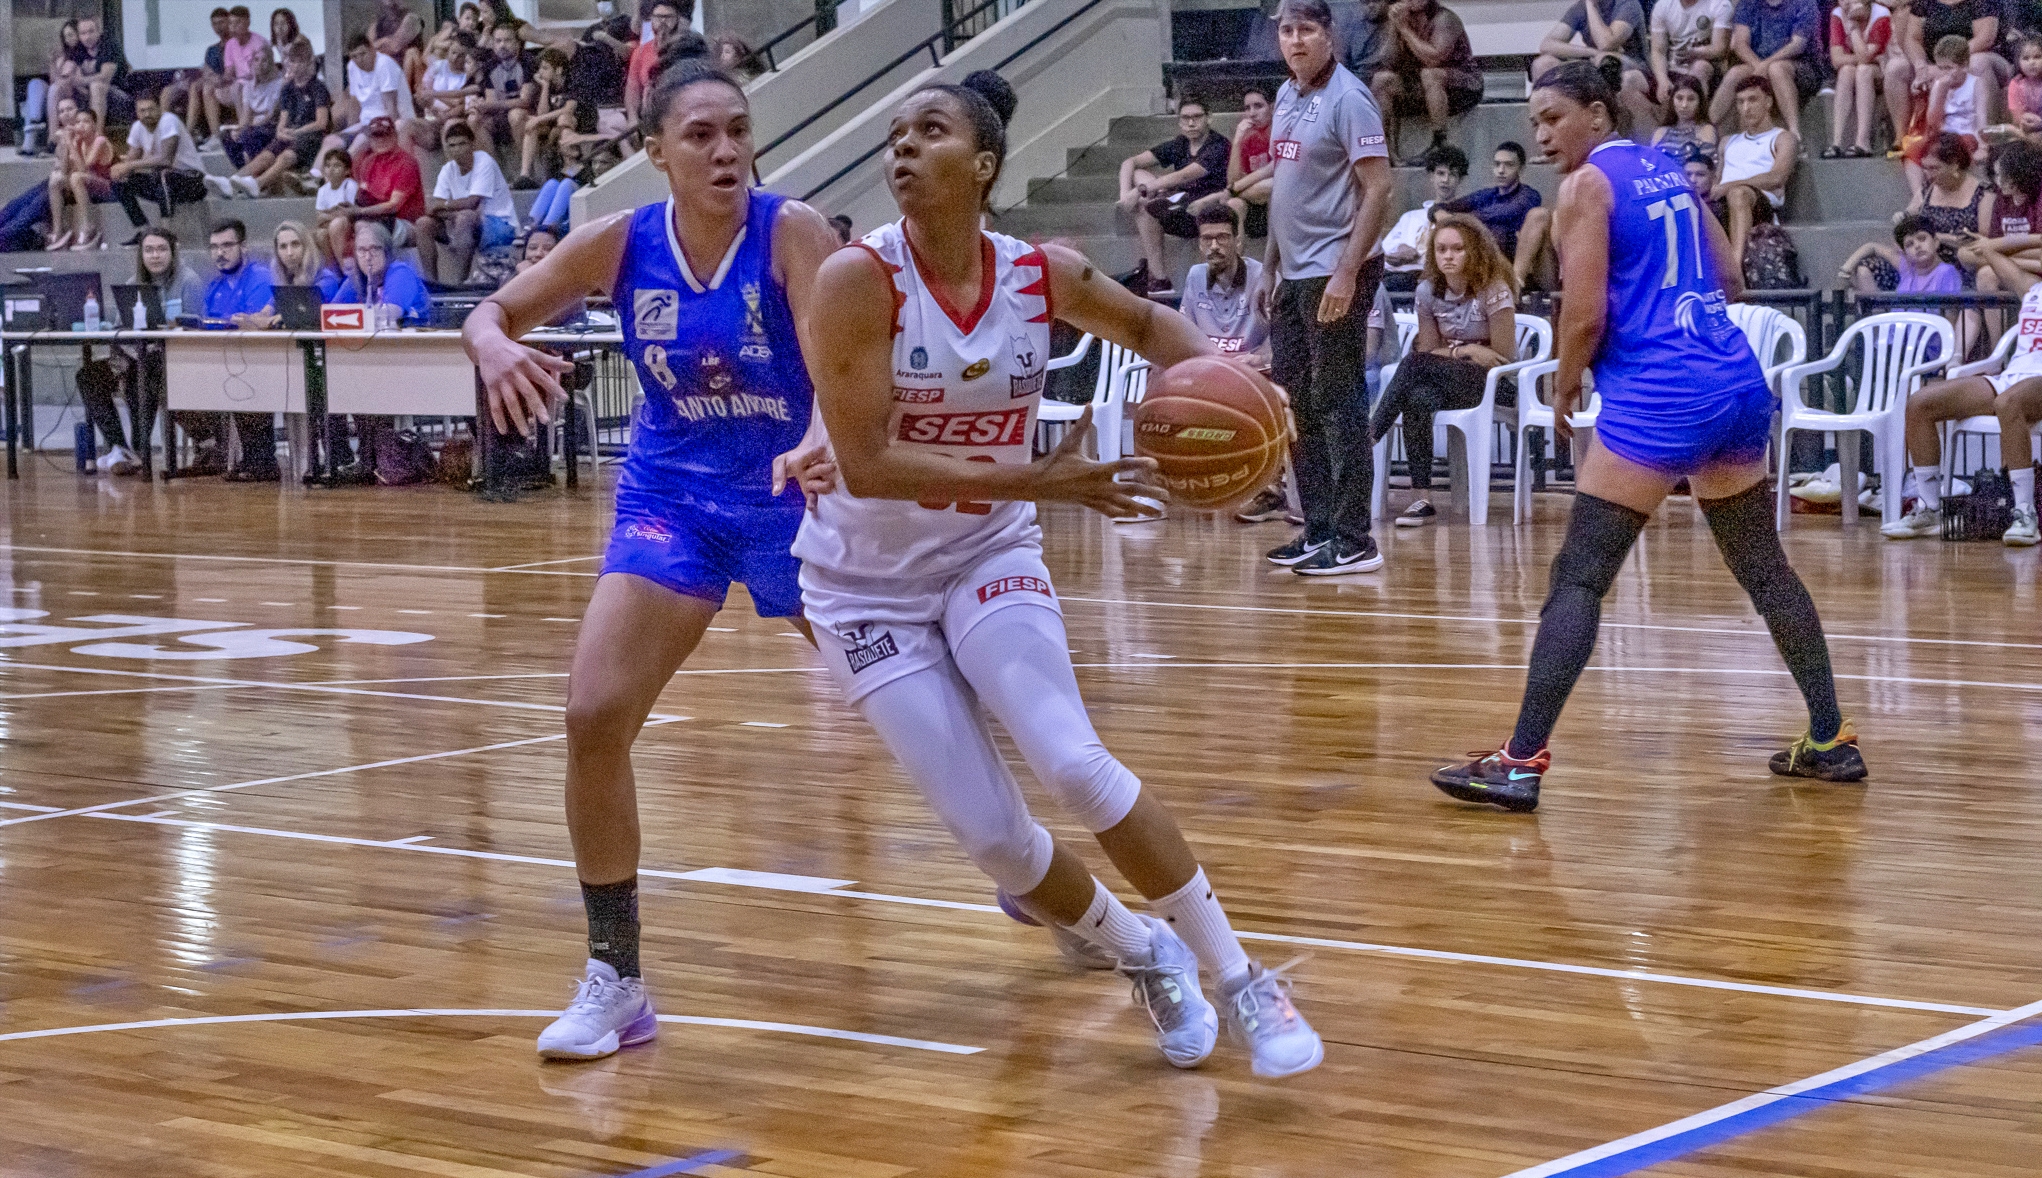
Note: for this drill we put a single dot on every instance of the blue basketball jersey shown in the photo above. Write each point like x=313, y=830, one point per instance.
x=1668, y=342
x=725, y=387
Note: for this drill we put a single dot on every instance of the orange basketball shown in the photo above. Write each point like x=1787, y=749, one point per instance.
x=1217, y=430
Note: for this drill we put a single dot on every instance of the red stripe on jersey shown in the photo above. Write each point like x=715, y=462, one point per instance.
x=900, y=298
x=1036, y=259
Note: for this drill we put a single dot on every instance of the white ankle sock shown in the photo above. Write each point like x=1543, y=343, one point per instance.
x=1928, y=483
x=1198, y=918
x=1110, y=925
x=2023, y=479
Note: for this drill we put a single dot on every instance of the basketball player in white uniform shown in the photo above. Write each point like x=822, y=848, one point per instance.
x=923, y=576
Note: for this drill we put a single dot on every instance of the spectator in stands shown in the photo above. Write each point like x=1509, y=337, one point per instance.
x=1976, y=23
x=304, y=116
x=1159, y=185
x=238, y=53
x=470, y=208
x=1952, y=106
x=1913, y=267
x=2015, y=224
x=1405, y=244
x=670, y=35
x=285, y=38
x=1757, y=162
x=84, y=173
x=389, y=191
x=1776, y=41
x=375, y=90
x=102, y=69
x=241, y=294
x=255, y=127
x=595, y=80
x=541, y=240
x=552, y=207
x=2024, y=91
x=1858, y=40
x=1691, y=38
x=1219, y=292
x=452, y=78
x=1686, y=134
x=1326, y=217
x=379, y=277
x=1605, y=28
x=2014, y=396
x=64, y=85
x=508, y=92
x=469, y=18
x=39, y=102
x=1430, y=69
x=1508, y=209
x=1249, y=167
x=399, y=35
x=734, y=57
x=20, y=219
x=162, y=165
x=195, y=91
x=1700, y=170
x=336, y=201
x=1467, y=324
x=1955, y=204
x=552, y=114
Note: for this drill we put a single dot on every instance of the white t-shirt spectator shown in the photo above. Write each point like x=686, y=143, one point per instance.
x=330, y=197
x=261, y=97
x=1409, y=233
x=1961, y=115
x=1315, y=141
x=368, y=88
x=187, y=157
x=1689, y=27
x=485, y=180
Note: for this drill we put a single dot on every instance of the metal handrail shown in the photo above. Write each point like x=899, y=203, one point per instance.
x=944, y=35
x=1003, y=63
x=816, y=19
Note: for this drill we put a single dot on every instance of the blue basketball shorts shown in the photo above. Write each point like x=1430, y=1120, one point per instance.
x=699, y=548
x=1681, y=439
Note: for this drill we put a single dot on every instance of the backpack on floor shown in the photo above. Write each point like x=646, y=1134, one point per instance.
x=1770, y=260
x=403, y=458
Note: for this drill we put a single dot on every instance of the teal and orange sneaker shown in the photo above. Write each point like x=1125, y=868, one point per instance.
x=1496, y=779
x=1839, y=760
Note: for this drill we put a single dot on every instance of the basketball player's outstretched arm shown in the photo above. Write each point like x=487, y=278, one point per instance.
x=523, y=383
x=1094, y=303
x=851, y=363
x=1581, y=225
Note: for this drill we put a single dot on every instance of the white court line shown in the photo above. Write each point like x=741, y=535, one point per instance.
x=284, y=560
x=539, y=564
x=805, y=885
x=743, y=1024
x=322, y=688
x=121, y=690
x=563, y=675
x=26, y=806
x=1909, y=680
x=1477, y=619
x=1783, y=1092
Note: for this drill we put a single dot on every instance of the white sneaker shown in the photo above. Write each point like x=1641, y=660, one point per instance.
x=2023, y=532
x=246, y=184
x=1922, y=521
x=607, y=1013
x=1166, y=986
x=220, y=185
x=123, y=461
x=1261, y=1018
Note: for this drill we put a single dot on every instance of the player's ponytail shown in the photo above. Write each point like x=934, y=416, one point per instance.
x=988, y=102
x=1589, y=83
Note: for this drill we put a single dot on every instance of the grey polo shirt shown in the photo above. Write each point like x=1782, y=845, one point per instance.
x=1315, y=139
x=1226, y=314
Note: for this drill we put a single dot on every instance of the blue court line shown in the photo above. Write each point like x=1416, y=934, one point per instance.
x=1968, y=1045
x=714, y=1157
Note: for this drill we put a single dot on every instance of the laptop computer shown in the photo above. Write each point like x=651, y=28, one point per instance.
x=124, y=299
x=298, y=306
x=64, y=296
x=21, y=308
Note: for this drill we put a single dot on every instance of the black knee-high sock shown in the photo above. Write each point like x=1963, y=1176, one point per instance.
x=1743, y=526
x=613, y=924
x=1599, y=536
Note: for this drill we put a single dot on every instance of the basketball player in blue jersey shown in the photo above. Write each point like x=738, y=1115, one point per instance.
x=1648, y=275
x=712, y=286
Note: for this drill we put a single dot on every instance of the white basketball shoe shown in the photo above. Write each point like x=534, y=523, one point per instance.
x=608, y=1012
x=1261, y=1018
x=1166, y=986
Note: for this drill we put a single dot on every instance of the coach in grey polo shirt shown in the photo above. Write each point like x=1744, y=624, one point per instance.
x=1326, y=214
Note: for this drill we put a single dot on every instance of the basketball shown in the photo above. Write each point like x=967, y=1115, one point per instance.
x=1217, y=431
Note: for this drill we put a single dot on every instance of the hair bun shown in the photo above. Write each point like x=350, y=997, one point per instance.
x=1612, y=71
x=995, y=90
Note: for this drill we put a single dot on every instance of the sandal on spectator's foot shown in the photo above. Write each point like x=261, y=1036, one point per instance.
x=88, y=242
x=1858, y=153
x=60, y=241
x=1832, y=152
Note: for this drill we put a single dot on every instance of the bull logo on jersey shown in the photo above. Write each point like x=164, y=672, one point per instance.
x=1031, y=379
x=755, y=346
x=656, y=314
x=655, y=363
x=867, y=648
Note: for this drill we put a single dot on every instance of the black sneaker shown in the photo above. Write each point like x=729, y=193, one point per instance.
x=1340, y=558
x=1267, y=506
x=1296, y=552
x=1839, y=760
x=1417, y=515
x=1496, y=779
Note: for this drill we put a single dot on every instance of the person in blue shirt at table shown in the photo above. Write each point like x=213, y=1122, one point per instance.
x=379, y=278
x=240, y=294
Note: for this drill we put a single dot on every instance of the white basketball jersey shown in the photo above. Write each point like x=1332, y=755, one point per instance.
x=966, y=382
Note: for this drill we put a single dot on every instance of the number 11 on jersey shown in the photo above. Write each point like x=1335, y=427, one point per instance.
x=1666, y=210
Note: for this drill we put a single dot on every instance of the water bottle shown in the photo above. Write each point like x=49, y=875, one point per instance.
x=82, y=449
x=141, y=313
x=91, y=311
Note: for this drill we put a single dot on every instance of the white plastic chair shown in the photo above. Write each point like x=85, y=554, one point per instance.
x=1062, y=413
x=1532, y=411
x=1985, y=424
x=1769, y=331
x=1896, y=347
x=1469, y=460
x=1407, y=331
x=1115, y=421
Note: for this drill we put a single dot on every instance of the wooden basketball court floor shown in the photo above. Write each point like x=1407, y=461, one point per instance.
x=285, y=890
